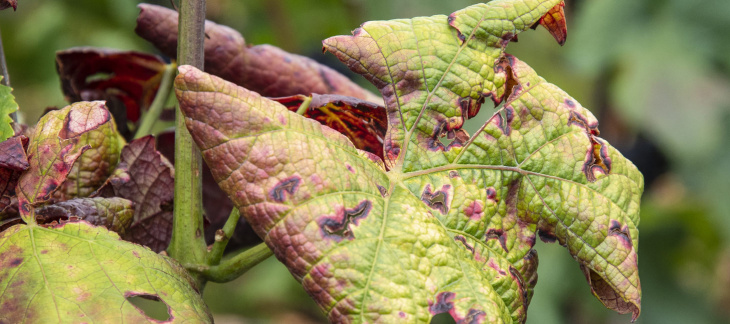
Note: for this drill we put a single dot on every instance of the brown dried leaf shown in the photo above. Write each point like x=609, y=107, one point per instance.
x=265, y=69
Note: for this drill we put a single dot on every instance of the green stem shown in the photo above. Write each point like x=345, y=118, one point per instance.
x=234, y=267
x=187, y=244
x=222, y=236
x=153, y=114
x=304, y=106
x=4, y=73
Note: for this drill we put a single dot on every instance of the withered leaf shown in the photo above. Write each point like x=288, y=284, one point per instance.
x=265, y=69
x=113, y=213
x=146, y=178
x=127, y=80
x=363, y=122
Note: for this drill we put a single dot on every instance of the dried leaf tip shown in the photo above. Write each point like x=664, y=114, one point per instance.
x=554, y=22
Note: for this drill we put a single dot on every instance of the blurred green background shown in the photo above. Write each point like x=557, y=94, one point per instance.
x=656, y=73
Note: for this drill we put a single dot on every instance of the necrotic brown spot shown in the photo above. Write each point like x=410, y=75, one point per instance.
x=444, y=303
x=546, y=236
x=438, y=200
x=621, y=232
x=497, y=234
x=288, y=185
x=338, y=227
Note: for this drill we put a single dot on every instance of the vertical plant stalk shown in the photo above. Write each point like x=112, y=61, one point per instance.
x=153, y=114
x=4, y=73
x=188, y=243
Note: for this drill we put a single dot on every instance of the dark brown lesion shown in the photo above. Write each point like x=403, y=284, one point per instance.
x=622, y=232
x=288, y=185
x=597, y=159
x=499, y=235
x=438, y=200
x=338, y=227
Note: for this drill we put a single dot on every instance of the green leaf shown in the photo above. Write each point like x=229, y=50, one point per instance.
x=450, y=227
x=37, y=264
x=7, y=107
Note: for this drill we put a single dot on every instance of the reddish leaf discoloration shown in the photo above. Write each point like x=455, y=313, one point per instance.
x=5, y=4
x=78, y=122
x=12, y=154
x=444, y=303
x=474, y=211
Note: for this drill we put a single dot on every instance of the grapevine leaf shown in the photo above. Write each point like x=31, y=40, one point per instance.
x=361, y=121
x=146, y=178
x=7, y=107
x=263, y=68
x=38, y=263
x=58, y=140
x=96, y=164
x=113, y=213
x=127, y=80
x=13, y=161
x=449, y=228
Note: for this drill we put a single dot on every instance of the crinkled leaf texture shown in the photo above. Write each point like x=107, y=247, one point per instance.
x=76, y=272
x=449, y=228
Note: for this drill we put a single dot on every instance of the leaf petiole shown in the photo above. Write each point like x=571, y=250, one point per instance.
x=232, y=268
x=304, y=106
x=222, y=236
x=163, y=92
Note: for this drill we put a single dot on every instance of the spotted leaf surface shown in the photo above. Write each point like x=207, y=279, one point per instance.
x=59, y=139
x=449, y=228
x=37, y=265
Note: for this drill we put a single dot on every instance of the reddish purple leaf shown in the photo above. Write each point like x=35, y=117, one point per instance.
x=265, y=69
x=146, y=178
x=127, y=80
x=113, y=213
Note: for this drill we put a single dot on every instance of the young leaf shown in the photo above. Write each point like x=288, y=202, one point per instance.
x=113, y=213
x=449, y=228
x=146, y=178
x=263, y=68
x=361, y=121
x=127, y=80
x=7, y=107
x=58, y=140
x=38, y=263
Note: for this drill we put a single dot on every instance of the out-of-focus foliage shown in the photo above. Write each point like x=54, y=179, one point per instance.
x=654, y=68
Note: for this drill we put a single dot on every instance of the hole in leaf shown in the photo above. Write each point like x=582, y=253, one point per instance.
x=443, y=318
x=99, y=76
x=150, y=305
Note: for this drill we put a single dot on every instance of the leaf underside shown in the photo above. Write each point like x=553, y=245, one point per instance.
x=449, y=228
x=38, y=265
